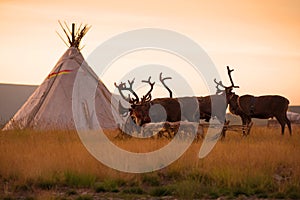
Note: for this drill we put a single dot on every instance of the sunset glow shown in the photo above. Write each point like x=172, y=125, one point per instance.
x=259, y=39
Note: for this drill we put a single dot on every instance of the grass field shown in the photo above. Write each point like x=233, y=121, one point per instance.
x=55, y=165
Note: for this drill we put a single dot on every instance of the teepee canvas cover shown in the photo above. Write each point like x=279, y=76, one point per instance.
x=50, y=106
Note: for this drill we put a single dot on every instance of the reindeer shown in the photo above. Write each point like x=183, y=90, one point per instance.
x=130, y=125
x=139, y=111
x=206, y=104
x=177, y=109
x=262, y=107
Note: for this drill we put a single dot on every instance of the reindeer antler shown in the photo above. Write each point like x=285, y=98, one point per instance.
x=148, y=96
x=229, y=74
x=219, y=84
x=162, y=80
x=122, y=86
x=228, y=89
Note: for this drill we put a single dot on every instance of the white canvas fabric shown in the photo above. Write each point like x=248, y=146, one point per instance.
x=50, y=106
x=293, y=117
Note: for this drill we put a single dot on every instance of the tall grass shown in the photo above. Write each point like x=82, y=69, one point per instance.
x=265, y=164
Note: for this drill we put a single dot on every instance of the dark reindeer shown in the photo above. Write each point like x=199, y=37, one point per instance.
x=262, y=107
x=177, y=109
x=206, y=104
x=140, y=109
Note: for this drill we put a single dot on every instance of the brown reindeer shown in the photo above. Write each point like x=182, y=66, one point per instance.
x=262, y=107
x=176, y=109
x=210, y=102
x=147, y=110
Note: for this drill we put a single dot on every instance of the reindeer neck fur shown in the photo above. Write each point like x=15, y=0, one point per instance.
x=233, y=101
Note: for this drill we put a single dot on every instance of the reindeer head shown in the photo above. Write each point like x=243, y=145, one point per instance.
x=139, y=111
x=227, y=89
x=122, y=87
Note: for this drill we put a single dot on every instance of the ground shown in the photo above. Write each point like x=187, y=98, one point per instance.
x=55, y=165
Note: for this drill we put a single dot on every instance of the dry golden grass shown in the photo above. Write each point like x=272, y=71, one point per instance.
x=264, y=156
x=29, y=154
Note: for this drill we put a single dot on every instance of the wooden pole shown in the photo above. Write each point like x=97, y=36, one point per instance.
x=73, y=32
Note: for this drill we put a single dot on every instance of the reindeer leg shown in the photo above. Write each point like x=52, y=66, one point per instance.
x=246, y=120
x=249, y=125
x=224, y=129
x=245, y=123
x=223, y=132
x=287, y=121
x=282, y=123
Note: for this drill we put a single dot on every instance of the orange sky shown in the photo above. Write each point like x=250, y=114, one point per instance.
x=260, y=39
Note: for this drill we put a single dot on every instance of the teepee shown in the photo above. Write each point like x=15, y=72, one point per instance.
x=50, y=105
